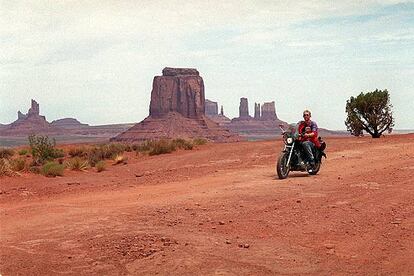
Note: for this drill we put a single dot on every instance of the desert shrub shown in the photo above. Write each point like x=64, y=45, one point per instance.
x=161, y=147
x=52, y=169
x=144, y=146
x=104, y=151
x=100, y=166
x=5, y=168
x=59, y=153
x=35, y=169
x=135, y=147
x=182, y=144
x=43, y=149
x=78, y=152
x=120, y=159
x=77, y=164
x=18, y=165
x=128, y=148
x=23, y=152
x=199, y=141
x=6, y=153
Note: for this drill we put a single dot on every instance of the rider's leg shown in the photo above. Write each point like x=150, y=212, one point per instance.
x=308, y=146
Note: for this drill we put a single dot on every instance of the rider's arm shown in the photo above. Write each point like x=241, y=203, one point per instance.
x=314, y=129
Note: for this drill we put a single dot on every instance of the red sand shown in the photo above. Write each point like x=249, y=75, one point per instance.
x=218, y=210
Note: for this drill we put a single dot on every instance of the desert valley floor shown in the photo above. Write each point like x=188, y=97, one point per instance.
x=218, y=210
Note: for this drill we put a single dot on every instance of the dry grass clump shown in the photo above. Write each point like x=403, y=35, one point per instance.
x=120, y=159
x=105, y=151
x=18, y=165
x=52, y=169
x=199, y=141
x=100, y=166
x=183, y=144
x=5, y=168
x=77, y=164
x=161, y=147
x=23, y=152
x=35, y=169
x=156, y=147
x=78, y=152
x=6, y=153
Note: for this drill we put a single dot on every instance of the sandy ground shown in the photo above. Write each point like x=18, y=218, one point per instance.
x=218, y=210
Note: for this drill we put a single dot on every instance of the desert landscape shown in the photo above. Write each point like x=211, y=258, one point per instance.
x=206, y=137
x=217, y=210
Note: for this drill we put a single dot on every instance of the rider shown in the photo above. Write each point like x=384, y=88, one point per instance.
x=308, y=135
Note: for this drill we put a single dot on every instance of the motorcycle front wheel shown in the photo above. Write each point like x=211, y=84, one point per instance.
x=282, y=167
x=316, y=169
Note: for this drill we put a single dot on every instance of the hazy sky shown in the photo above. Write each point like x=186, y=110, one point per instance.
x=95, y=60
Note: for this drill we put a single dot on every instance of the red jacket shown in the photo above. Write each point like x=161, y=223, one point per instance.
x=313, y=128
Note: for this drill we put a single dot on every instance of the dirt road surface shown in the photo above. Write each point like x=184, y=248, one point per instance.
x=218, y=210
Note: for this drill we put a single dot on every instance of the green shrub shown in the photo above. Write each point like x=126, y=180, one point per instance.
x=78, y=152
x=18, y=165
x=23, y=152
x=52, y=169
x=199, y=141
x=6, y=153
x=77, y=164
x=100, y=166
x=43, y=149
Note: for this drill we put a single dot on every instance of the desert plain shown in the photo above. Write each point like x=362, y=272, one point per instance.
x=218, y=210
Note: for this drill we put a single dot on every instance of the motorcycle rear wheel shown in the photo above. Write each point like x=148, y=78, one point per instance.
x=282, y=167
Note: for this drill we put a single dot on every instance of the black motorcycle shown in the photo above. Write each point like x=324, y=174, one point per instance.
x=293, y=156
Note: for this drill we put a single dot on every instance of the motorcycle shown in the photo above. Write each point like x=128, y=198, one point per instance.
x=293, y=155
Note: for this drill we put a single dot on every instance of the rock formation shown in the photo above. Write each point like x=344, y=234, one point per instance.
x=177, y=110
x=268, y=111
x=178, y=90
x=212, y=113
x=211, y=108
x=244, y=109
x=263, y=125
x=256, y=111
x=68, y=123
x=30, y=123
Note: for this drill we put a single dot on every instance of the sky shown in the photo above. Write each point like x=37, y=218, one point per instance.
x=95, y=60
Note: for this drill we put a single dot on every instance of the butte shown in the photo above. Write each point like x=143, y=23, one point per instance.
x=177, y=110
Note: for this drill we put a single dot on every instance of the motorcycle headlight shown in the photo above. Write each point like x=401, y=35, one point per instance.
x=289, y=140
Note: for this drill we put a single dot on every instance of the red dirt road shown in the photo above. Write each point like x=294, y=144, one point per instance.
x=218, y=210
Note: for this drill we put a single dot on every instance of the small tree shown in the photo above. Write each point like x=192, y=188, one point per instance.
x=370, y=112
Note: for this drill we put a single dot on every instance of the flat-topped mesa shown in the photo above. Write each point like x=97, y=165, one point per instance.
x=178, y=90
x=168, y=71
x=269, y=111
